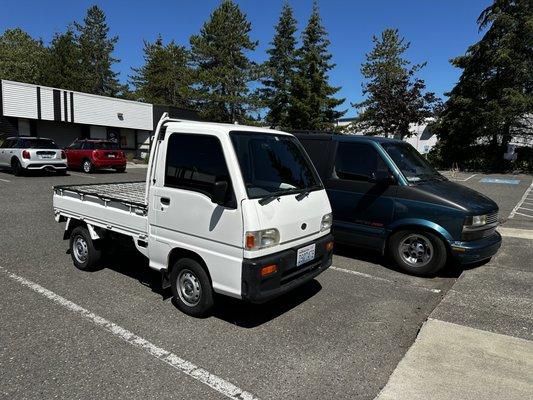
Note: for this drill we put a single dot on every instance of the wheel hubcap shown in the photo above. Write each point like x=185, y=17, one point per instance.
x=416, y=250
x=80, y=249
x=189, y=288
x=86, y=166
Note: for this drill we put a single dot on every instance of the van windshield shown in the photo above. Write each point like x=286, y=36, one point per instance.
x=273, y=164
x=414, y=167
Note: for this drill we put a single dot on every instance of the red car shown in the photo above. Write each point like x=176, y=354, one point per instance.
x=90, y=154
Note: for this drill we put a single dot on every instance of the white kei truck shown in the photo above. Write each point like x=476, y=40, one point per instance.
x=231, y=209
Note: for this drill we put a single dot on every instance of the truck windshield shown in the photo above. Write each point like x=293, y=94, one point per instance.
x=37, y=144
x=273, y=164
x=414, y=167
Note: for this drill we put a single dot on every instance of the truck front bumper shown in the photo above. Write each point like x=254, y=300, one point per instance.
x=258, y=289
x=476, y=250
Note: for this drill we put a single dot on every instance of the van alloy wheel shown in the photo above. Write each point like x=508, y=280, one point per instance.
x=416, y=250
x=189, y=288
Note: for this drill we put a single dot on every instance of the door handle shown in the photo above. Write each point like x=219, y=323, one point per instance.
x=165, y=201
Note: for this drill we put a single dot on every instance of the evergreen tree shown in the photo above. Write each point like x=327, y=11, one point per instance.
x=165, y=78
x=312, y=105
x=97, y=54
x=395, y=95
x=280, y=69
x=493, y=97
x=223, y=72
x=64, y=67
x=22, y=58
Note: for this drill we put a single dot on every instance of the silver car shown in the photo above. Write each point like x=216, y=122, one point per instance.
x=23, y=154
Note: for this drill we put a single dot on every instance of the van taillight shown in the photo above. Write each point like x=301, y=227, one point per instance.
x=26, y=154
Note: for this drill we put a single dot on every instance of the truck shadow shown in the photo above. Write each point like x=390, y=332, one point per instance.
x=451, y=270
x=246, y=315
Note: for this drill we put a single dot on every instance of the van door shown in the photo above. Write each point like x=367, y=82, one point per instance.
x=185, y=215
x=362, y=209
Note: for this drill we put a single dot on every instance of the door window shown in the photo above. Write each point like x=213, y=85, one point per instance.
x=358, y=162
x=88, y=146
x=195, y=162
x=75, y=146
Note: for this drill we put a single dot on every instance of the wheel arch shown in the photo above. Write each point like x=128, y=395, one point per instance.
x=420, y=225
x=178, y=253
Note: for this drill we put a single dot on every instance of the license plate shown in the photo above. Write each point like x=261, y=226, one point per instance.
x=111, y=156
x=305, y=254
x=46, y=156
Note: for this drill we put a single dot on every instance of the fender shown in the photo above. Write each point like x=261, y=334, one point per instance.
x=422, y=223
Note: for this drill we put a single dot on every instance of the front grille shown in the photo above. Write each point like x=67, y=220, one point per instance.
x=468, y=236
x=492, y=218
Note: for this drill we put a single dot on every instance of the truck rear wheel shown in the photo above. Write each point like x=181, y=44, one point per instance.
x=191, y=288
x=82, y=250
x=418, y=252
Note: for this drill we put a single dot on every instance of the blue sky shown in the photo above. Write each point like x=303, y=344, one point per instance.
x=437, y=30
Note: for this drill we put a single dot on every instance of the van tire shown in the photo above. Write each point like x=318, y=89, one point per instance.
x=191, y=288
x=410, y=247
x=82, y=250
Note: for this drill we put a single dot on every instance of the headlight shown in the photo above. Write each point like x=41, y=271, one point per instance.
x=476, y=221
x=256, y=240
x=327, y=220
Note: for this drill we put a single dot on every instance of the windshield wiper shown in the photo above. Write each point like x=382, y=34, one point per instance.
x=305, y=192
x=267, y=199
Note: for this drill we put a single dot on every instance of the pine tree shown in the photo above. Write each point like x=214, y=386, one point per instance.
x=223, y=72
x=165, y=78
x=395, y=96
x=312, y=105
x=22, y=58
x=64, y=67
x=97, y=54
x=494, y=95
x=280, y=67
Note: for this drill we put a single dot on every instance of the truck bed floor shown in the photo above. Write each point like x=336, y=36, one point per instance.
x=127, y=192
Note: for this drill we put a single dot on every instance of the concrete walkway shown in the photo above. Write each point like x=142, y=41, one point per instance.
x=478, y=342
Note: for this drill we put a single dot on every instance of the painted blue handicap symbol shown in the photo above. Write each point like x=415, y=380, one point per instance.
x=502, y=181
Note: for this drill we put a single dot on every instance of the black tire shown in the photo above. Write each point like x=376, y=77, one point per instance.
x=120, y=169
x=16, y=167
x=195, y=275
x=82, y=250
x=418, y=252
x=87, y=166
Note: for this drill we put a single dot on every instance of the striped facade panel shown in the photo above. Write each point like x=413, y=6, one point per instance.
x=106, y=111
x=19, y=99
x=47, y=104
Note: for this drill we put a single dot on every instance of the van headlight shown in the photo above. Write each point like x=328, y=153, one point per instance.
x=256, y=240
x=475, y=221
x=327, y=220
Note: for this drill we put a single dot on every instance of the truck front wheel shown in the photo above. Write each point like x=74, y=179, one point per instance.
x=82, y=250
x=418, y=252
x=191, y=288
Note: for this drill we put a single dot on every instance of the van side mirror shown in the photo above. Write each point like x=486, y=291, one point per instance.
x=220, y=189
x=382, y=177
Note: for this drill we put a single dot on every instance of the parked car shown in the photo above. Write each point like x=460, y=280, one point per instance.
x=386, y=196
x=23, y=154
x=235, y=210
x=91, y=154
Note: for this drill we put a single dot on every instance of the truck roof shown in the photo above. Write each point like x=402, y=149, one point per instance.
x=221, y=127
x=347, y=138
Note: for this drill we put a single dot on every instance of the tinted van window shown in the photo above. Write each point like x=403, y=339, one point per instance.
x=195, y=162
x=356, y=161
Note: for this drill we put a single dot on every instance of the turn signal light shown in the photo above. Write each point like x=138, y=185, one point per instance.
x=26, y=154
x=269, y=270
x=329, y=246
x=250, y=241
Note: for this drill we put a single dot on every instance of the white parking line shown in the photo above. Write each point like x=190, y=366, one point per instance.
x=521, y=201
x=4, y=180
x=463, y=180
x=517, y=233
x=524, y=215
x=83, y=175
x=220, y=385
x=377, y=278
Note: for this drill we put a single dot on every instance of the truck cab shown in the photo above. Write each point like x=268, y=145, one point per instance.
x=235, y=210
x=385, y=196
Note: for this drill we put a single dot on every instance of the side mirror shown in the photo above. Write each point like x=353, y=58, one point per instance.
x=220, y=189
x=382, y=177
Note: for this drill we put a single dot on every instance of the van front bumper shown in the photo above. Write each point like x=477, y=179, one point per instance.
x=476, y=250
x=257, y=289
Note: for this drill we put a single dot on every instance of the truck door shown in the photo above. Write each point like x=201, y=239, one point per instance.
x=362, y=209
x=186, y=216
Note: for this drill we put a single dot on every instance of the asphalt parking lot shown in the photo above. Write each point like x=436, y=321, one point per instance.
x=110, y=333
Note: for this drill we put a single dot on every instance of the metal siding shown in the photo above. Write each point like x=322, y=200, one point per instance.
x=98, y=110
x=19, y=99
x=47, y=104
